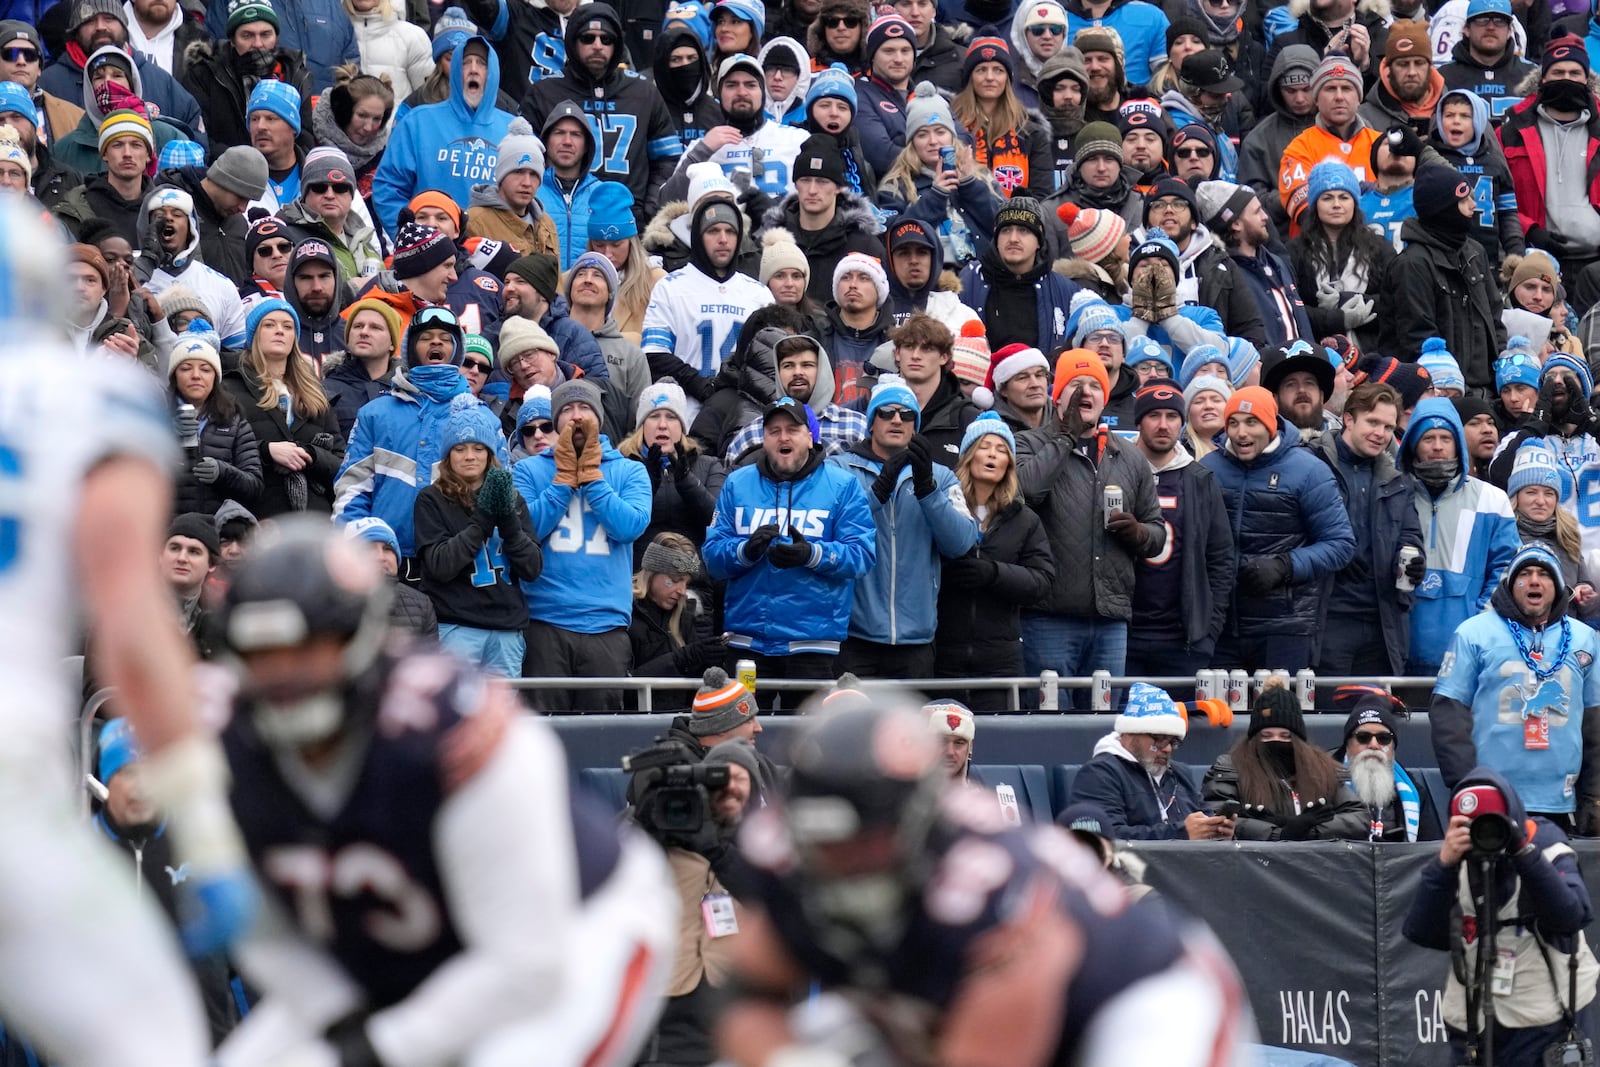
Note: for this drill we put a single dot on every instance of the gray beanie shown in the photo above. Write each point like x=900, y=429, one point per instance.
x=737, y=751
x=180, y=298
x=241, y=170
x=720, y=704
x=660, y=559
x=519, y=150
x=576, y=391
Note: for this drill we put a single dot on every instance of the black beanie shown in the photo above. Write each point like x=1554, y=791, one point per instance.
x=197, y=527
x=1276, y=706
x=1436, y=192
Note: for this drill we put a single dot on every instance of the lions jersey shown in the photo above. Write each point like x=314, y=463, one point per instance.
x=698, y=318
x=779, y=146
x=60, y=415
x=980, y=880
x=364, y=881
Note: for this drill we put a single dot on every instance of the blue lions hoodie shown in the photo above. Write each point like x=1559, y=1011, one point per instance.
x=446, y=146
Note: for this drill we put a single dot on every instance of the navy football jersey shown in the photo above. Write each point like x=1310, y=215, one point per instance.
x=981, y=878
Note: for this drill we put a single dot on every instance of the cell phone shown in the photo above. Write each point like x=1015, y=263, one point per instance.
x=947, y=157
x=1229, y=809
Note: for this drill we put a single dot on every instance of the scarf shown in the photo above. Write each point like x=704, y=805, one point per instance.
x=1536, y=531
x=1405, y=791
x=327, y=132
x=439, y=382
x=1222, y=31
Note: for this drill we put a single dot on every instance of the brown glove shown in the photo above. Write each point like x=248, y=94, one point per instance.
x=567, y=456
x=587, y=443
x=1163, y=291
x=1142, y=298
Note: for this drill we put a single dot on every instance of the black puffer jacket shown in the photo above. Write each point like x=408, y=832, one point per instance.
x=853, y=229
x=980, y=630
x=232, y=443
x=683, y=506
x=1094, y=570
x=412, y=612
x=317, y=434
x=945, y=417
x=217, y=78
x=1342, y=816
x=657, y=655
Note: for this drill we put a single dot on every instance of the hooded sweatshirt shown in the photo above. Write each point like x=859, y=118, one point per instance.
x=320, y=335
x=1264, y=145
x=568, y=203
x=1483, y=164
x=447, y=146
x=80, y=149
x=687, y=90
x=161, y=270
x=790, y=112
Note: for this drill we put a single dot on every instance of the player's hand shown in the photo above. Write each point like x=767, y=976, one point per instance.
x=1457, y=841
x=219, y=908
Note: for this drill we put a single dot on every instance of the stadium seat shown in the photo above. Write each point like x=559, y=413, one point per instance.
x=1062, y=775
x=608, y=784
x=1027, y=781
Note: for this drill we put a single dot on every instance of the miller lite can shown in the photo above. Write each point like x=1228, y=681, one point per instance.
x=1402, y=581
x=1113, y=501
x=1209, y=686
x=1100, y=691
x=746, y=670
x=1238, y=690
x=1305, y=687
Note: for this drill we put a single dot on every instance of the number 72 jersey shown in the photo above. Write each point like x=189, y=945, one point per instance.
x=697, y=318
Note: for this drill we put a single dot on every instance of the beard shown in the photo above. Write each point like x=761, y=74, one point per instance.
x=1372, y=778
x=1101, y=97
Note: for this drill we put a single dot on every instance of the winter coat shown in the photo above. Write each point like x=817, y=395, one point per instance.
x=880, y=120
x=896, y=601
x=980, y=630
x=938, y=296
x=1363, y=276
x=1207, y=276
x=221, y=235
x=394, y=452
x=1022, y=160
x=666, y=239
x=411, y=612
x=1523, y=143
x=391, y=45
x=222, y=90
x=233, y=445
x=941, y=60
x=1462, y=570
x=1500, y=84
x=80, y=148
x=357, y=248
x=1208, y=575
x=945, y=418
x=1343, y=818
x=1266, y=142
x=587, y=534
x=349, y=388
x=1394, y=524
x=489, y=216
x=682, y=507
x=1435, y=289
x=317, y=434
x=1142, y=28
x=474, y=298
x=1141, y=808
x=163, y=96
x=853, y=228
x=964, y=221
x=159, y=270
x=784, y=611
x=1372, y=14
x=1269, y=281
x=657, y=655
x=1483, y=163
x=1283, y=503
x=52, y=179
x=471, y=578
x=569, y=209
x=318, y=29
x=1054, y=298
x=641, y=142
x=446, y=146
x=95, y=200
x=1094, y=570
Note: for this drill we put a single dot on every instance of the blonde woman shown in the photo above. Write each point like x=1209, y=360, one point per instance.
x=618, y=240
x=1010, y=141
x=1204, y=400
x=295, y=426
x=1535, y=491
x=666, y=627
x=982, y=594
x=684, y=480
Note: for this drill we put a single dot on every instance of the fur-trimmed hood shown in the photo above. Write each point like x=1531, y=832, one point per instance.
x=658, y=235
x=815, y=41
x=1529, y=86
x=854, y=212
x=797, y=99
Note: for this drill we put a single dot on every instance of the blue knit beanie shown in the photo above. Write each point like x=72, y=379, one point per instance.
x=280, y=98
x=892, y=389
x=1534, y=465
x=1577, y=365
x=1326, y=177
x=1145, y=349
x=989, y=422
x=118, y=748
x=1517, y=365
x=260, y=310
x=835, y=82
x=1442, y=368
x=1097, y=316
x=470, y=422
x=611, y=213
x=1242, y=357
x=1199, y=356
x=374, y=529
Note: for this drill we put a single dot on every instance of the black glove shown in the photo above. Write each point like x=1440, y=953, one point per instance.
x=1356, y=570
x=349, y=1040
x=1299, y=827
x=1581, y=413
x=970, y=572
x=652, y=465
x=1540, y=422
x=678, y=464
x=795, y=552
x=1416, y=569
x=1263, y=574
x=1072, y=424
x=920, y=456
x=206, y=470
x=696, y=656
x=883, y=484
x=1128, y=529
x=756, y=547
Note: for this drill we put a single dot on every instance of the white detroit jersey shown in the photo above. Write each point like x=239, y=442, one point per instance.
x=698, y=318
x=60, y=415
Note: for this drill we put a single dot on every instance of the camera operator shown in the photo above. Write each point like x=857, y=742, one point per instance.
x=723, y=710
x=1520, y=967
x=708, y=919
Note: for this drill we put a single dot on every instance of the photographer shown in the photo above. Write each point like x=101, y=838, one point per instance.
x=1518, y=977
x=700, y=859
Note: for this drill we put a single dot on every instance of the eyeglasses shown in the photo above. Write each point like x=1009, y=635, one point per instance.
x=319, y=188
x=19, y=55
x=274, y=248
x=1173, y=743
x=1197, y=152
x=1104, y=337
x=476, y=365
x=1046, y=31
x=895, y=414
x=597, y=38
x=1366, y=737
x=833, y=22
x=1169, y=205
x=531, y=428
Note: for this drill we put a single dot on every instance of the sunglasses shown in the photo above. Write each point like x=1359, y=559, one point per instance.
x=597, y=38
x=476, y=365
x=531, y=428
x=19, y=55
x=894, y=415
x=1366, y=737
x=1046, y=31
x=274, y=248
x=1498, y=20
x=833, y=22
x=1197, y=152
x=319, y=188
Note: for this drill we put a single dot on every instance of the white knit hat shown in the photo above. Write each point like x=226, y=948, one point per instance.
x=951, y=718
x=189, y=348
x=707, y=178
x=869, y=266
x=519, y=335
x=667, y=394
x=779, y=252
x=1151, y=711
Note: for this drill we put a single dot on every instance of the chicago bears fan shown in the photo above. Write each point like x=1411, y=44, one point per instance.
x=438, y=895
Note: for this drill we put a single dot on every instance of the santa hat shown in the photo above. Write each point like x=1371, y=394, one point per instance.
x=1005, y=365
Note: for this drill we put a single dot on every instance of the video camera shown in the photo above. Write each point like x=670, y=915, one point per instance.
x=673, y=791
x=1490, y=829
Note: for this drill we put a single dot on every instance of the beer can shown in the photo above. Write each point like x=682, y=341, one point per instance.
x=1113, y=501
x=1238, y=690
x=746, y=669
x=1402, y=581
x=947, y=157
x=1207, y=687
x=1100, y=691
x=1049, y=691
x=1305, y=688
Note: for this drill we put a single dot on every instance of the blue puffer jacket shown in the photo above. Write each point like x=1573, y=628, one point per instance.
x=880, y=121
x=1462, y=571
x=587, y=535
x=777, y=611
x=896, y=603
x=569, y=210
x=446, y=146
x=1284, y=503
x=393, y=452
